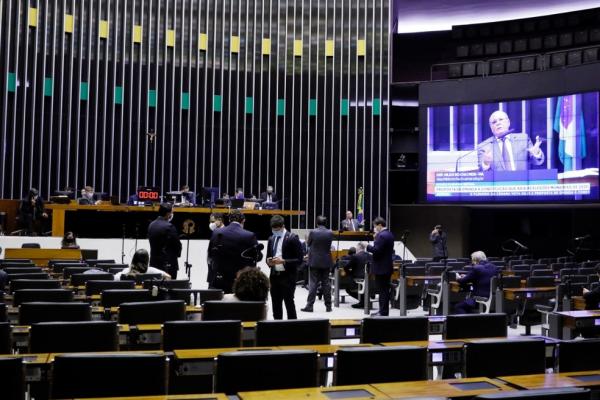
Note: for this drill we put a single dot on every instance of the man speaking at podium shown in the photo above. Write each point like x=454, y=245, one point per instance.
x=507, y=151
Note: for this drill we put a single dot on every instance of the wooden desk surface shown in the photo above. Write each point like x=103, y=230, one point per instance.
x=310, y=393
x=578, y=302
x=580, y=314
x=442, y=388
x=514, y=293
x=323, y=349
x=104, y=353
x=40, y=257
x=345, y=322
x=550, y=381
x=205, y=354
x=206, y=396
x=32, y=359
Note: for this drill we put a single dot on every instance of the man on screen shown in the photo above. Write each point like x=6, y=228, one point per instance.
x=508, y=150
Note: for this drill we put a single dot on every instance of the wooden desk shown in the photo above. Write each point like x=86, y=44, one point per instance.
x=35, y=364
x=551, y=381
x=580, y=318
x=104, y=353
x=196, y=362
x=443, y=388
x=312, y=393
x=206, y=396
x=529, y=292
x=40, y=257
x=345, y=328
x=419, y=280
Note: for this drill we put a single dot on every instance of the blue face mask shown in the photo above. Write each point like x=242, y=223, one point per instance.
x=277, y=233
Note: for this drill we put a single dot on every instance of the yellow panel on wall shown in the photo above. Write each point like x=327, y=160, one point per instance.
x=235, y=44
x=266, y=46
x=138, y=33
x=103, y=29
x=69, y=24
x=32, y=16
x=329, y=48
x=203, y=42
x=170, y=38
x=361, y=47
x=297, y=48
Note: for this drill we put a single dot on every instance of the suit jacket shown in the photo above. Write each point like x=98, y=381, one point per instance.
x=231, y=249
x=346, y=225
x=165, y=246
x=438, y=241
x=479, y=277
x=356, y=264
x=291, y=252
x=383, y=253
x=519, y=142
x=28, y=210
x=274, y=197
x=319, y=248
x=592, y=299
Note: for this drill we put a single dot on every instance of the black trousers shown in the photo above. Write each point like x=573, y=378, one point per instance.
x=319, y=275
x=283, y=288
x=384, y=287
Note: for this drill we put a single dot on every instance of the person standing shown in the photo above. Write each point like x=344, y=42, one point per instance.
x=383, y=264
x=349, y=224
x=438, y=238
x=31, y=213
x=319, y=264
x=269, y=196
x=232, y=248
x=215, y=222
x=284, y=255
x=165, y=246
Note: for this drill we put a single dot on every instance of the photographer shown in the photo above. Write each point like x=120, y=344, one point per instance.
x=438, y=239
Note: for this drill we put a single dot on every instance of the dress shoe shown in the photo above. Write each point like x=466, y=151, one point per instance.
x=358, y=305
x=377, y=314
x=307, y=309
x=328, y=309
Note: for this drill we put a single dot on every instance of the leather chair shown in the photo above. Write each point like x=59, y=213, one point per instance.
x=394, y=329
x=168, y=284
x=201, y=334
x=493, y=358
x=3, y=313
x=115, y=297
x=140, y=278
x=73, y=337
x=41, y=275
x=151, y=312
x=466, y=326
x=47, y=295
x=12, y=372
x=31, y=313
x=23, y=270
x=5, y=338
x=578, y=355
x=70, y=270
x=236, y=310
x=106, y=266
x=81, y=279
x=19, y=284
x=93, y=287
x=60, y=266
x=293, y=332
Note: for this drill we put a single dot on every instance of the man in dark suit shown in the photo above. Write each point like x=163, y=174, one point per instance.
x=319, y=264
x=269, y=196
x=355, y=268
x=165, y=246
x=479, y=278
x=383, y=264
x=592, y=297
x=438, y=238
x=31, y=213
x=232, y=248
x=284, y=255
x=349, y=224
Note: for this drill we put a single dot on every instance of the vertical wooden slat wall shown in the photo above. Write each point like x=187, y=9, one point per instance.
x=238, y=93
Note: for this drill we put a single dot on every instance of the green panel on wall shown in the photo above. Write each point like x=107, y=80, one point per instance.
x=152, y=98
x=84, y=91
x=280, y=107
x=249, y=105
x=217, y=103
x=345, y=107
x=48, y=84
x=118, y=94
x=11, y=84
x=312, y=107
x=185, y=101
x=376, y=106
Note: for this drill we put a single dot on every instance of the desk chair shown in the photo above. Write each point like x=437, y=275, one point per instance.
x=541, y=281
x=201, y=334
x=236, y=310
x=3, y=313
x=15, y=262
x=567, y=393
x=546, y=261
x=107, y=266
x=266, y=370
x=486, y=303
x=493, y=358
x=556, y=267
x=293, y=332
x=394, y=329
x=140, y=278
x=31, y=246
x=542, y=272
x=47, y=295
x=81, y=279
x=535, y=267
x=12, y=372
x=31, y=313
x=73, y=337
x=568, y=271
x=108, y=375
x=115, y=297
x=93, y=262
x=115, y=270
x=168, y=284
x=465, y=326
x=5, y=338
x=192, y=296
x=367, y=365
x=586, y=271
x=23, y=270
x=71, y=270
x=40, y=275
x=575, y=278
x=93, y=287
x=590, y=264
x=151, y=312
x=578, y=355
x=60, y=266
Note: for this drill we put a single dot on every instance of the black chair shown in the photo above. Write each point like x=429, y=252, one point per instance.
x=3, y=313
x=23, y=270
x=491, y=358
x=168, y=284
x=266, y=370
x=73, y=337
x=107, y=266
x=541, y=281
x=108, y=375
x=415, y=271
x=568, y=271
x=236, y=310
x=12, y=372
x=576, y=355
x=5, y=338
x=115, y=270
x=30, y=246
x=567, y=393
x=33, y=284
x=31, y=313
x=586, y=271
x=394, y=329
x=590, y=264
x=556, y=267
x=366, y=365
x=538, y=266
x=465, y=326
x=293, y=332
x=46, y=295
x=542, y=272
x=10, y=262
x=151, y=312
x=60, y=266
x=70, y=270
x=210, y=295
x=41, y=275
x=201, y=334
x=93, y=287
x=81, y=279
x=115, y=297
x=140, y=278
x=575, y=278
x=93, y=262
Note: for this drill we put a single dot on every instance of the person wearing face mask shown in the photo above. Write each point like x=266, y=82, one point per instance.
x=269, y=195
x=31, y=213
x=284, y=255
x=215, y=223
x=383, y=264
x=165, y=246
x=232, y=248
x=88, y=197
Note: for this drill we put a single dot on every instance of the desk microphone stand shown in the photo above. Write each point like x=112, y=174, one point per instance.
x=123, y=246
x=402, y=280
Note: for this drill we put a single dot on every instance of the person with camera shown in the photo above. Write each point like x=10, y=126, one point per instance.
x=438, y=239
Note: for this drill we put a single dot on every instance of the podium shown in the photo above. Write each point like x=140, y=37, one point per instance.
x=353, y=235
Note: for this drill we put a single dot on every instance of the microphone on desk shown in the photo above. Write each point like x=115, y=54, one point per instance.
x=463, y=156
x=522, y=246
x=582, y=237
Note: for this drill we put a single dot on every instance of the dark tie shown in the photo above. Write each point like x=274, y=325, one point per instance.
x=505, y=156
x=275, y=246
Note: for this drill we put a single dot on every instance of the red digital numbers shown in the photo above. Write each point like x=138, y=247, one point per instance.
x=148, y=195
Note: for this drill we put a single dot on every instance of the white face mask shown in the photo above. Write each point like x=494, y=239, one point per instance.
x=212, y=226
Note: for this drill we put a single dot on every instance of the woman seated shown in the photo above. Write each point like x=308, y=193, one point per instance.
x=250, y=284
x=69, y=241
x=139, y=265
